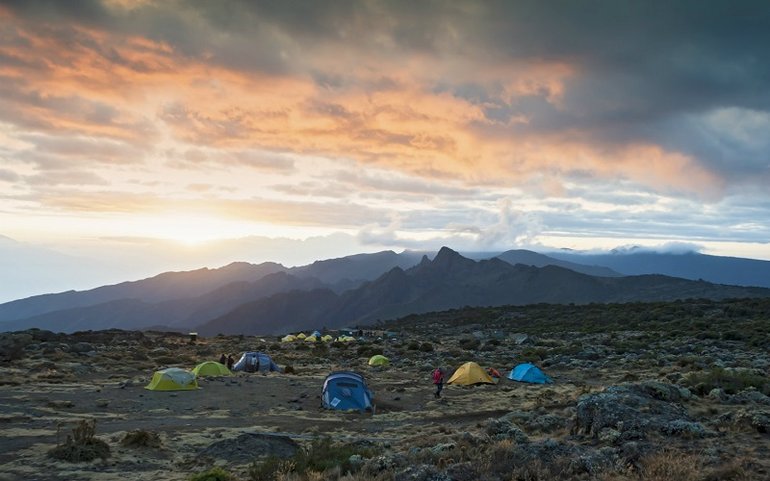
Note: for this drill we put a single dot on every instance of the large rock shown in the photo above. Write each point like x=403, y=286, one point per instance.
x=633, y=410
x=247, y=446
x=421, y=472
x=82, y=347
x=503, y=428
x=12, y=345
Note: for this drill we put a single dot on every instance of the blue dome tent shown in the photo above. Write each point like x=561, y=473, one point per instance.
x=345, y=390
x=529, y=373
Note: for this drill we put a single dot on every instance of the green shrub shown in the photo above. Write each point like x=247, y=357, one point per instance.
x=426, y=347
x=413, y=346
x=321, y=455
x=214, y=474
x=732, y=381
x=141, y=439
x=470, y=343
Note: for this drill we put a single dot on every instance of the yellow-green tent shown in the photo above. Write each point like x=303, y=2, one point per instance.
x=379, y=360
x=311, y=339
x=211, y=368
x=470, y=373
x=289, y=338
x=301, y=335
x=172, y=379
x=326, y=338
x=346, y=339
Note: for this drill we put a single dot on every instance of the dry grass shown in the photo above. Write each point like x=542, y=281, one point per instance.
x=81, y=445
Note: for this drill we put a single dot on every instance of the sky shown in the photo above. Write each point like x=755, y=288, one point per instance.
x=138, y=136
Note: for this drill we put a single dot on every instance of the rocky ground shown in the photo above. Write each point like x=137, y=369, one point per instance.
x=658, y=402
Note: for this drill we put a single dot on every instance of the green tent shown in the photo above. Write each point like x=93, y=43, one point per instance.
x=379, y=360
x=211, y=368
x=172, y=379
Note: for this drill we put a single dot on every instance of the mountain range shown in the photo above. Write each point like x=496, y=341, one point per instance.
x=269, y=298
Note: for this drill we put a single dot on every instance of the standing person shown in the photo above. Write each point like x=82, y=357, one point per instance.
x=438, y=380
x=230, y=361
x=222, y=359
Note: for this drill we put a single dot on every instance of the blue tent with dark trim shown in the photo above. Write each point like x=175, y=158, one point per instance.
x=529, y=373
x=345, y=390
x=255, y=362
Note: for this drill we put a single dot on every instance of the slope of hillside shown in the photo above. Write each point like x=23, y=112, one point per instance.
x=178, y=313
x=226, y=286
x=530, y=258
x=166, y=286
x=690, y=265
x=453, y=281
x=356, y=269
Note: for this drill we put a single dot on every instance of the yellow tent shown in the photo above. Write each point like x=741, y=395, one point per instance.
x=379, y=360
x=346, y=339
x=326, y=338
x=311, y=339
x=211, y=368
x=172, y=379
x=301, y=335
x=470, y=373
x=289, y=338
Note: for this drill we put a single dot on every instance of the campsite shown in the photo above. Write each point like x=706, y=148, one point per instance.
x=586, y=423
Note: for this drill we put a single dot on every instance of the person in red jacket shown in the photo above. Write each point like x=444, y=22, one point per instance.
x=438, y=381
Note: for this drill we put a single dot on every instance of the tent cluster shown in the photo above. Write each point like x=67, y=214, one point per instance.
x=177, y=379
x=315, y=337
x=471, y=373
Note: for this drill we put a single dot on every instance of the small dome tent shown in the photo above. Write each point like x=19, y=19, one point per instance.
x=255, y=362
x=211, y=368
x=470, y=373
x=345, y=390
x=311, y=339
x=529, y=373
x=379, y=360
x=317, y=334
x=301, y=335
x=326, y=338
x=172, y=379
x=289, y=338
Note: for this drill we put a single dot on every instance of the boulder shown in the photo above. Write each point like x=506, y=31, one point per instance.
x=503, y=428
x=631, y=409
x=81, y=347
x=421, y=472
x=247, y=446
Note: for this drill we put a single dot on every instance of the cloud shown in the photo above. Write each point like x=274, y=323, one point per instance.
x=602, y=118
x=665, y=248
x=512, y=228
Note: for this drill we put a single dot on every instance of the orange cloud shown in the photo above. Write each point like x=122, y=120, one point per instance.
x=388, y=112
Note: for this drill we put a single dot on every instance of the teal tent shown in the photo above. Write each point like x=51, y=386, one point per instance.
x=345, y=390
x=529, y=373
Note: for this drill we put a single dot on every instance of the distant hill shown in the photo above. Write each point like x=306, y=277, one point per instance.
x=184, y=299
x=530, y=258
x=163, y=287
x=180, y=314
x=688, y=265
x=270, y=298
x=451, y=281
x=352, y=271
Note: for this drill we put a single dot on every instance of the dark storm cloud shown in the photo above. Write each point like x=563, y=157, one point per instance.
x=641, y=72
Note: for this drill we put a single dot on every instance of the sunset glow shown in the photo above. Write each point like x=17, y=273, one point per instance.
x=479, y=125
